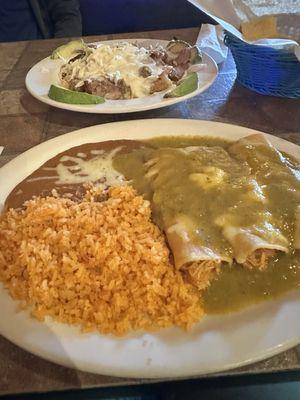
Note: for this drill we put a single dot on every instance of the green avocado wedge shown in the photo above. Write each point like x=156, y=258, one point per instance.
x=71, y=97
x=65, y=51
x=188, y=85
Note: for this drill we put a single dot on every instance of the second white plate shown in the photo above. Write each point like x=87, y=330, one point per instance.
x=45, y=73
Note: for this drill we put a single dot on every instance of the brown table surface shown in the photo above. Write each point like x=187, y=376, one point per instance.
x=25, y=122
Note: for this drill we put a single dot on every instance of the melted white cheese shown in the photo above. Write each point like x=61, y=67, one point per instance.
x=209, y=178
x=121, y=61
x=99, y=168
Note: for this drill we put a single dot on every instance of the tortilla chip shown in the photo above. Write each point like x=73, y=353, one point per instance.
x=260, y=28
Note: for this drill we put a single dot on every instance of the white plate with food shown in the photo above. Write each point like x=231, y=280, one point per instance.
x=121, y=76
x=159, y=286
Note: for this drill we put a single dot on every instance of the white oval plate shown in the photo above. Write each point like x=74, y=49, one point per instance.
x=45, y=73
x=216, y=343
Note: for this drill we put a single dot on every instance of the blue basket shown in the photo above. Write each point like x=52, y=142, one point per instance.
x=265, y=70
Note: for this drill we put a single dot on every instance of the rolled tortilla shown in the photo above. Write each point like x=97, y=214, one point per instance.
x=200, y=263
x=251, y=249
x=239, y=206
x=280, y=176
x=180, y=180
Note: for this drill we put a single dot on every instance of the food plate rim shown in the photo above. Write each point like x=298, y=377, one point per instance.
x=35, y=345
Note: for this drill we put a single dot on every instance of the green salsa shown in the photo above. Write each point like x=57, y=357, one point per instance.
x=175, y=193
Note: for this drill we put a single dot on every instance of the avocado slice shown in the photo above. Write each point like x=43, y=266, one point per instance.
x=67, y=50
x=71, y=97
x=186, y=86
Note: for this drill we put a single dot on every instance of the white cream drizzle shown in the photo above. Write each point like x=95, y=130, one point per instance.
x=98, y=168
x=97, y=152
x=41, y=178
x=92, y=170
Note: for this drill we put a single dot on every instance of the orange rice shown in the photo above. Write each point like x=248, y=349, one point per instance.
x=100, y=264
